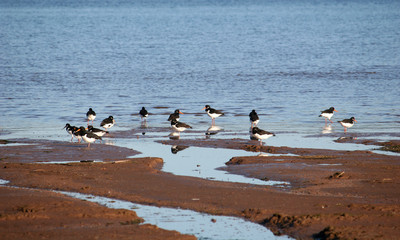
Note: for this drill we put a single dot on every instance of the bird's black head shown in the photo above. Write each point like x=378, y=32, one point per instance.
x=90, y=109
x=177, y=111
x=111, y=117
x=143, y=108
x=255, y=130
x=90, y=127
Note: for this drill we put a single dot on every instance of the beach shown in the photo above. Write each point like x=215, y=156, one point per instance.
x=288, y=61
x=332, y=194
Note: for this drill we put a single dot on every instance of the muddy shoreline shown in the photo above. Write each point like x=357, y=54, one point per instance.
x=342, y=194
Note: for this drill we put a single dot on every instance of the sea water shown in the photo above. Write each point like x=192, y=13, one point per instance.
x=287, y=60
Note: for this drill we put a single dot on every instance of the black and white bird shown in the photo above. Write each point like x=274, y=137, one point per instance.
x=179, y=126
x=260, y=134
x=347, y=123
x=143, y=113
x=175, y=115
x=107, y=123
x=90, y=115
x=213, y=113
x=70, y=129
x=79, y=132
x=96, y=131
x=87, y=136
x=254, y=119
x=327, y=114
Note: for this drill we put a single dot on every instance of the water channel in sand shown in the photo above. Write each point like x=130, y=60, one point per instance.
x=203, y=226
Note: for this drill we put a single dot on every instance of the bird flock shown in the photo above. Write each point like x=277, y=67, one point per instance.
x=346, y=123
x=91, y=134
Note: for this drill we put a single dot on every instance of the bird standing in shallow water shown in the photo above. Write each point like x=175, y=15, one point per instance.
x=347, y=123
x=254, y=119
x=260, y=134
x=79, y=132
x=143, y=114
x=175, y=115
x=88, y=137
x=70, y=129
x=213, y=113
x=107, y=123
x=90, y=115
x=327, y=114
x=179, y=126
x=96, y=131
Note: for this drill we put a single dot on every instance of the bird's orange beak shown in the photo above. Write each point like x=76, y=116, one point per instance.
x=78, y=130
x=335, y=110
x=181, y=112
x=203, y=108
x=355, y=120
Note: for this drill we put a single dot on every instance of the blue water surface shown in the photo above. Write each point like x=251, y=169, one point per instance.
x=288, y=60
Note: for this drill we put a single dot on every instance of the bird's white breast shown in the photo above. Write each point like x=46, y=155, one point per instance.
x=327, y=115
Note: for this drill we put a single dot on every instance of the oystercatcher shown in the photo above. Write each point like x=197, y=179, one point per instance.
x=143, y=113
x=179, y=126
x=327, y=114
x=175, y=115
x=107, y=123
x=347, y=123
x=213, y=113
x=88, y=137
x=70, y=129
x=79, y=132
x=90, y=115
x=260, y=134
x=96, y=131
x=254, y=118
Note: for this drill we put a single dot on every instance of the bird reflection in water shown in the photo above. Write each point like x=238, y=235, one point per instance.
x=346, y=139
x=212, y=130
x=143, y=127
x=327, y=129
x=176, y=148
x=174, y=136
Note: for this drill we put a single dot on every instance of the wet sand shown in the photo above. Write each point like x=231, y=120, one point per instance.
x=333, y=194
x=38, y=214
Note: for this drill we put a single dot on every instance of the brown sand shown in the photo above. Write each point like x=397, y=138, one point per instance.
x=357, y=197
x=37, y=214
